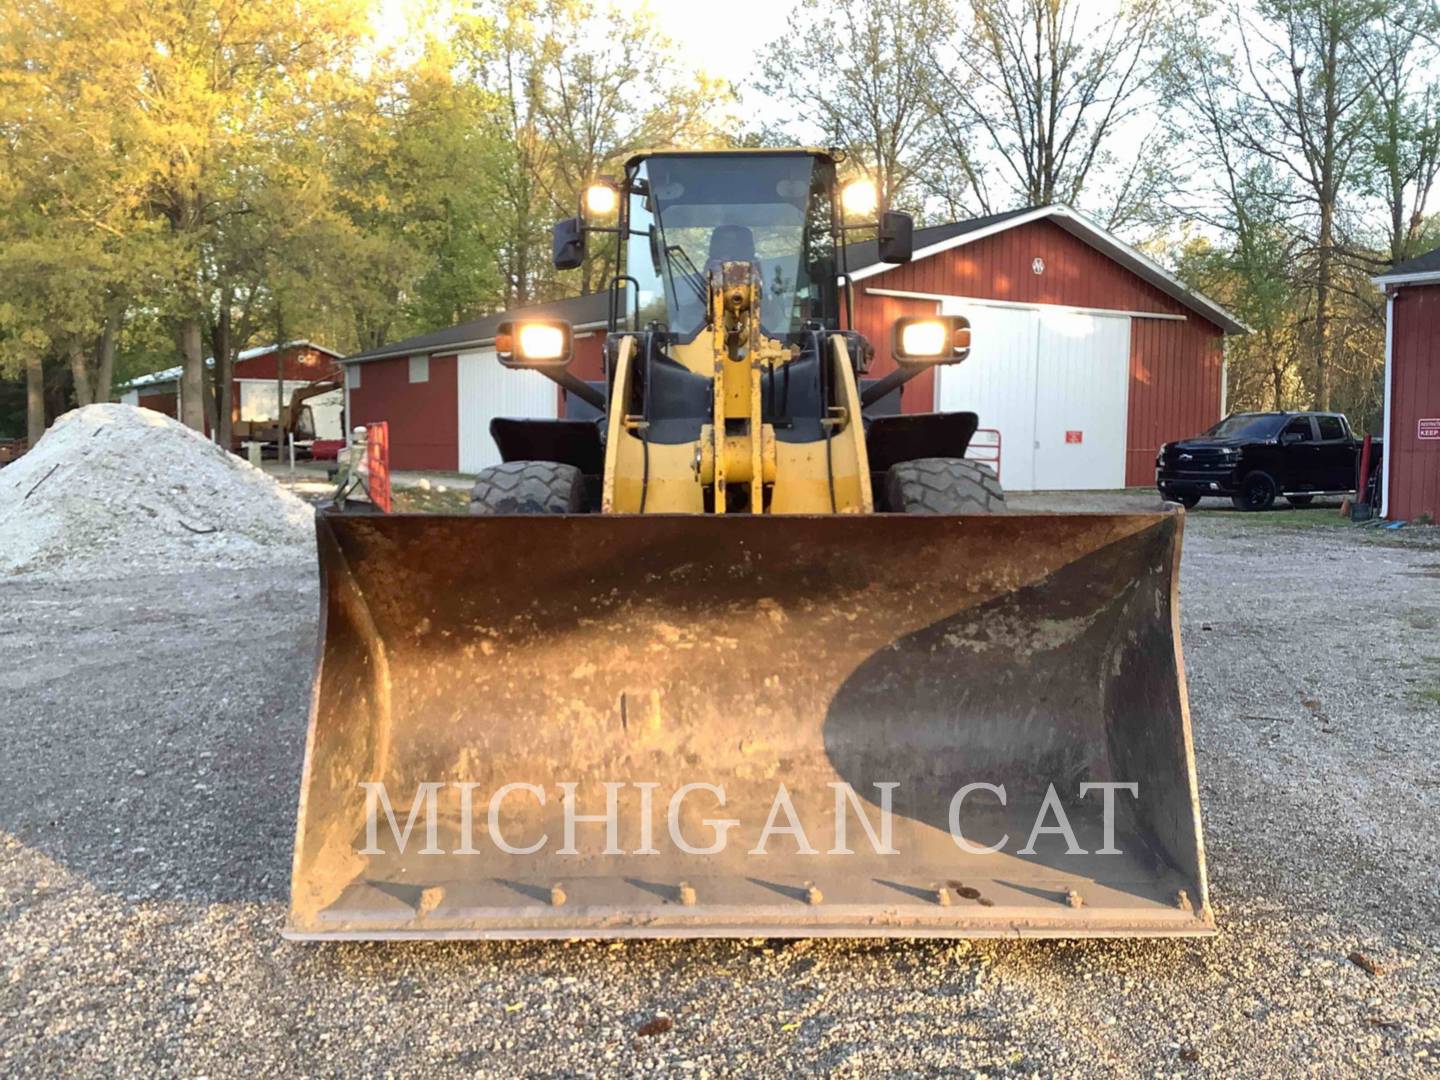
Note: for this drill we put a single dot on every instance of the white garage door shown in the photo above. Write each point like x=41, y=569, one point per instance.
x=1054, y=383
x=487, y=390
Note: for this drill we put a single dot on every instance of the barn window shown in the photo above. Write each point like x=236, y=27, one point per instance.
x=419, y=369
x=352, y=376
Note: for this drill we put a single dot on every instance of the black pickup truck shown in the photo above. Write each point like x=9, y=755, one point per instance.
x=1254, y=457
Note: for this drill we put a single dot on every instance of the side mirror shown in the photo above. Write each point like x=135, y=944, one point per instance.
x=897, y=237
x=567, y=247
x=930, y=339
x=534, y=343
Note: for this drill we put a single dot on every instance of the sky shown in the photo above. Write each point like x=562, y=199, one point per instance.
x=721, y=40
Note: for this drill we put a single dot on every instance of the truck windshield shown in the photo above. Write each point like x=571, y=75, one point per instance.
x=1248, y=426
x=701, y=211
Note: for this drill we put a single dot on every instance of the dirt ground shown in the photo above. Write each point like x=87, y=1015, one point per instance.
x=152, y=736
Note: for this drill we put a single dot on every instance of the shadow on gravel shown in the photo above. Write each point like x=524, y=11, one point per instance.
x=154, y=729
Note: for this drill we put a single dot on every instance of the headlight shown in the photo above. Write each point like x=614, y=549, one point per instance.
x=859, y=198
x=943, y=339
x=601, y=199
x=923, y=338
x=534, y=343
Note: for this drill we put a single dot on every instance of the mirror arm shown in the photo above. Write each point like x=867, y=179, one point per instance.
x=577, y=386
x=881, y=387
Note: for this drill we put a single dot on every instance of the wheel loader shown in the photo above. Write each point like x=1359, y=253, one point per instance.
x=750, y=652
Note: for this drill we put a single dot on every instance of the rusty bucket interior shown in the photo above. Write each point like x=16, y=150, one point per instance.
x=566, y=712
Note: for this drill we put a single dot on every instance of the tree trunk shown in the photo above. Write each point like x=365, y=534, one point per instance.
x=1323, y=273
x=105, y=357
x=212, y=415
x=80, y=372
x=224, y=375
x=34, y=397
x=192, y=379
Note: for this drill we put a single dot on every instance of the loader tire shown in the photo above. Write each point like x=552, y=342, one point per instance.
x=528, y=487
x=943, y=486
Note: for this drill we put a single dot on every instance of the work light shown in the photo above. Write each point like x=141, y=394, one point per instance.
x=534, y=343
x=936, y=339
x=859, y=198
x=601, y=199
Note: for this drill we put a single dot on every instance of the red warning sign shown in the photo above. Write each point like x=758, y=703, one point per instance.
x=1428, y=429
x=1074, y=437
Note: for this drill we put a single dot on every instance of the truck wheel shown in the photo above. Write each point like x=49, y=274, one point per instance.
x=1257, y=492
x=1299, y=502
x=943, y=486
x=528, y=487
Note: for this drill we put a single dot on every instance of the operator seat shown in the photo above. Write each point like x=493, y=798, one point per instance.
x=730, y=243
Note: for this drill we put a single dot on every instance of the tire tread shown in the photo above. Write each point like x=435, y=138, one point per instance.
x=943, y=486
x=528, y=487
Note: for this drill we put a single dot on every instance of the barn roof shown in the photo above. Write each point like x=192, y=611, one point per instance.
x=946, y=237
x=866, y=254
x=583, y=312
x=1420, y=270
x=171, y=374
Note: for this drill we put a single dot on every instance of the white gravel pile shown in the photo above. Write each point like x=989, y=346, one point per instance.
x=112, y=490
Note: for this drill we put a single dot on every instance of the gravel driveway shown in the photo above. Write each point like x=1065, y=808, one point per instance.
x=152, y=733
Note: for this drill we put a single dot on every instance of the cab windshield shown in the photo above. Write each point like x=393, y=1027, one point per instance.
x=694, y=213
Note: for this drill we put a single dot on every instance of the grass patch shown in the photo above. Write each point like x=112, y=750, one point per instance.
x=413, y=500
x=1324, y=517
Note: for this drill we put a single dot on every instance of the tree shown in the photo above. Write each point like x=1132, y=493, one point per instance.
x=1402, y=145
x=581, y=89
x=1305, y=104
x=1033, y=95
x=858, y=74
x=76, y=252
x=202, y=102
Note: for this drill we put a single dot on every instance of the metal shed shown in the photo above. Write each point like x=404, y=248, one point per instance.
x=1412, y=388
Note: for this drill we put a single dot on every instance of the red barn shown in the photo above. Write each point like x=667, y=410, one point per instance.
x=1412, y=388
x=1087, y=355
x=253, y=393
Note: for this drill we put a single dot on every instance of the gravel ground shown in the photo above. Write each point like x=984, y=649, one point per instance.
x=153, y=736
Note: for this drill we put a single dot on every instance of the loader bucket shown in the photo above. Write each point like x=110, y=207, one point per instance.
x=622, y=726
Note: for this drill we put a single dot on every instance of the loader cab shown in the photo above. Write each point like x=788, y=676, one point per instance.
x=686, y=214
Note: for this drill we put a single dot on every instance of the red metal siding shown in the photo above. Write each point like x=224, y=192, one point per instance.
x=424, y=417
x=1175, y=367
x=1414, y=479
x=161, y=403
x=589, y=363
x=1175, y=372
x=874, y=317
x=300, y=364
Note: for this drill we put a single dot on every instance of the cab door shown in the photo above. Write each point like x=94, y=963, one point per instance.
x=1336, y=453
x=1299, y=456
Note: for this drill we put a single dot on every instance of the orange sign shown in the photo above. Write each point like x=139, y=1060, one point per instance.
x=377, y=457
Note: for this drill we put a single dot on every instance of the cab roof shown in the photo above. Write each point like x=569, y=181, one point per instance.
x=737, y=151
